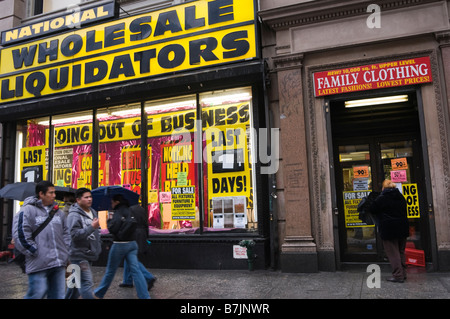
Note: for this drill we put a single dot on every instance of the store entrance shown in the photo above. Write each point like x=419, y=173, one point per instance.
x=371, y=143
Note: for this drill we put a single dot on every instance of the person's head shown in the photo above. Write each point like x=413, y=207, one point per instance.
x=84, y=198
x=387, y=183
x=69, y=198
x=45, y=191
x=118, y=199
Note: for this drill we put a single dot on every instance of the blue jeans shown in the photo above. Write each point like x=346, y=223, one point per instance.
x=50, y=282
x=127, y=279
x=117, y=253
x=86, y=282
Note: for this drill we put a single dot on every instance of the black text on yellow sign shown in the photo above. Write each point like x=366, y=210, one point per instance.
x=228, y=161
x=411, y=194
x=158, y=125
x=32, y=161
x=196, y=34
x=183, y=203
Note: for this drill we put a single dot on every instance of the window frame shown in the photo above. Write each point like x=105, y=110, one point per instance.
x=256, y=181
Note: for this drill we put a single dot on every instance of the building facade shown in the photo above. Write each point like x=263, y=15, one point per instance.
x=165, y=98
x=171, y=99
x=359, y=90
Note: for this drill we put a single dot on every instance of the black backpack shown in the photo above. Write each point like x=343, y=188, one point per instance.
x=127, y=227
x=364, y=209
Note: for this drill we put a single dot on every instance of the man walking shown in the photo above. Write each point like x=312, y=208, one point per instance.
x=140, y=236
x=85, y=247
x=46, y=255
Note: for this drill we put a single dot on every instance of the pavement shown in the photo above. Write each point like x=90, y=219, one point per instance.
x=195, y=284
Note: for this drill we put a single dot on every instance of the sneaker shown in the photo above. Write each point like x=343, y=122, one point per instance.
x=150, y=283
x=393, y=279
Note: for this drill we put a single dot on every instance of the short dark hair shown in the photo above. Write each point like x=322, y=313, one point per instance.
x=43, y=187
x=121, y=199
x=80, y=192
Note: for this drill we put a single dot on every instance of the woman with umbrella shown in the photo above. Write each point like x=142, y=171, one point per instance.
x=124, y=247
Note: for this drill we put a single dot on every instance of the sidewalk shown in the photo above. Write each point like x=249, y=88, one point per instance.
x=242, y=284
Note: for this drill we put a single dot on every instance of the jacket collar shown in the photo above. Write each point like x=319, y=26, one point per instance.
x=75, y=208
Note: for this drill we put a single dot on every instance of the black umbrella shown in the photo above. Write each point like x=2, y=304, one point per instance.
x=62, y=191
x=18, y=191
x=22, y=190
x=101, y=197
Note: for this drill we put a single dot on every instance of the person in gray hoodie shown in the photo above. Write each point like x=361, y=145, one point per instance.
x=46, y=256
x=85, y=247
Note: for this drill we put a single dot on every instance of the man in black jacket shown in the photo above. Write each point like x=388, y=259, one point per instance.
x=123, y=247
x=141, y=235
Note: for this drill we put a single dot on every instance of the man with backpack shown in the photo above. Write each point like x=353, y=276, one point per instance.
x=122, y=226
x=140, y=236
x=46, y=253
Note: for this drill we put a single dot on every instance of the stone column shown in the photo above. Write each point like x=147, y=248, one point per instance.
x=443, y=39
x=298, y=251
x=440, y=165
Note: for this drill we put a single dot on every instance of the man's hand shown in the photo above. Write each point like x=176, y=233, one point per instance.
x=95, y=223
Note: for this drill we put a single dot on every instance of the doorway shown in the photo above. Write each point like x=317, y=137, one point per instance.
x=373, y=142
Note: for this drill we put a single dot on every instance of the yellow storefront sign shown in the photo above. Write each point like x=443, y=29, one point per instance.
x=184, y=37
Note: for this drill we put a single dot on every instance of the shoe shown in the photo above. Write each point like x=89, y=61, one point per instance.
x=126, y=285
x=150, y=283
x=393, y=279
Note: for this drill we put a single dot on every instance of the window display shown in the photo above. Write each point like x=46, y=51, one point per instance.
x=119, y=146
x=229, y=176
x=72, y=154
x=33, y=150
x=198, y=168
x=173, y=183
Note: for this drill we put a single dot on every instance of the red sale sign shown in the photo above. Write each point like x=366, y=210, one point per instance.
x=373, y=76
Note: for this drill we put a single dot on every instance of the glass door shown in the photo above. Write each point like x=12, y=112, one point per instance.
x=360, y=169
x=358, y=239
x=401, y=164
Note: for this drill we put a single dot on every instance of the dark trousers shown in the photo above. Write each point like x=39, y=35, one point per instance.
x=395, y=251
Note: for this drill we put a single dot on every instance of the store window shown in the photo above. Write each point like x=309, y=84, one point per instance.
x=72, y=152
x=196, y=169
x=33, y=146
x=119, y=146
x=229, y=176
x=221, y=154
x=173, y=175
